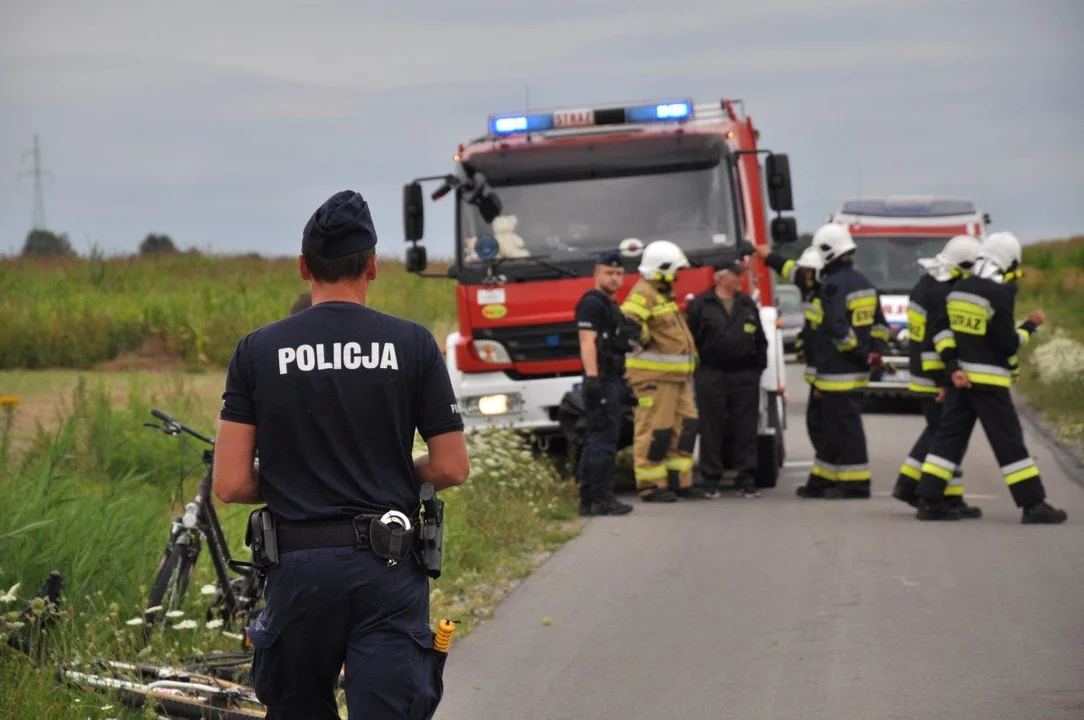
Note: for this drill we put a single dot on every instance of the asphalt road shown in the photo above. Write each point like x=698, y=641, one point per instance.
x=783, y=608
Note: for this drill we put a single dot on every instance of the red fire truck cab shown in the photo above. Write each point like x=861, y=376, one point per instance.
x=541, y=194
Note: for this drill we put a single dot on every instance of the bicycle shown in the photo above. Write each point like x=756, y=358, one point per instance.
x=235, y=598
x=176, y=692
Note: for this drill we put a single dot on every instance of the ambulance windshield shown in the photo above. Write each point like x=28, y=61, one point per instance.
x=891, y=261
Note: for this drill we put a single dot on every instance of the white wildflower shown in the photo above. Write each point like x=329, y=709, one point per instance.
x=134, y=621
x=216, y=623
x=1059, y=359
x=175, y=614
x=186, y=625
x=207, y=590
x=15, y=625
x=155, y=609
x=9, y=596
x=233, y=636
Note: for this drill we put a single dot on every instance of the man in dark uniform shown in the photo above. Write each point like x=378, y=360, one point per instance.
x=603, y=343
x=849, y=343
x=978, y=341
x=733, y=351
x=331, y=398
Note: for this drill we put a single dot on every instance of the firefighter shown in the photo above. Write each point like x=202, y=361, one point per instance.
x=805, y=273
x=926, y=308
x=978, y=344
x=659, y=371
x=847, y=344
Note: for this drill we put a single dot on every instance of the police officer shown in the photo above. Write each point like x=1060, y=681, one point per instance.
x=978, y=343
x=659, y=372
x=603, y=344
x=805, y=274
x=733, y=351
x=331, y=397
x=926, y=308
x=847, y=344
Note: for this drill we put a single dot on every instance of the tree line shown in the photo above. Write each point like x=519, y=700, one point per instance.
x=46, y=243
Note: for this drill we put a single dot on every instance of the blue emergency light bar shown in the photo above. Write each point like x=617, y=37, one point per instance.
x=560, y=119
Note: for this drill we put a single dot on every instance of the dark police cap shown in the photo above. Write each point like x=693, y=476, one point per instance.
x=341, y=226
x=731, y=266
x=611, y=258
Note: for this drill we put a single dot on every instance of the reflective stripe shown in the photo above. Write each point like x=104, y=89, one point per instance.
x=863, y=307
x=645, y=402
x=841, y=382
x=1024, y=337
x=987, y=374
x=640, y=312
x=880, y=332
x=955, y=488
x=636, y=298
x=665, y=309
x=662, y=363
x=914, y=308
x=681, y=464
x=853, y=473
x=857, y=295
x=923, y=385
x=848, y=343
x=944, y=340
x=939, y=467
x=788, y=270
x=824, y=470
x=971, y=299
x=810, y=374
x=916, y=322
x=1020, y=471
x=649, y=472
x=911, y=468
x=932, y=361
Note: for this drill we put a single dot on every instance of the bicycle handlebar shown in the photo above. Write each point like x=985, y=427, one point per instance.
x=173, y=427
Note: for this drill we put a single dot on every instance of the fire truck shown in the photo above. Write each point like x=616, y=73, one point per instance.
x=542, y=193
x=892, y=234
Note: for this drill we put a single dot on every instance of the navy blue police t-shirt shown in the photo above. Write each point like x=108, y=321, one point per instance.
x=602, y=314
x=336, y=393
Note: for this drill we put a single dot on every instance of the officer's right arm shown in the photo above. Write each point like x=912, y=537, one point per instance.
x=1006, y=338
x=440, y=424
x=939, y=333
x=588, y=324
x=837, y=320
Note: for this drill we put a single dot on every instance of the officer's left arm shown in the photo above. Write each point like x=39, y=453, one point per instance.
x=235, y=476
x=235, y=479
x=837, y=320
x=588, y=325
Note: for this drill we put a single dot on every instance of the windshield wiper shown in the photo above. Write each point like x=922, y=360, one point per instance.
x=539, y=261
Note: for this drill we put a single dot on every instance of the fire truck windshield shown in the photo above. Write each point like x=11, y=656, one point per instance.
x=891, y=261
x=573, y=220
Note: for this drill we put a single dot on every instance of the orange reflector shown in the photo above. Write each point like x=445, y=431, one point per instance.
x=779, y=323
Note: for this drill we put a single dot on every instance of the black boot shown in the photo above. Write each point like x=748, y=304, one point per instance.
x=612, y=506
x=905, y=491
x=1043, y=514
x=657, y=495
x=967, y=512
x=936, y=510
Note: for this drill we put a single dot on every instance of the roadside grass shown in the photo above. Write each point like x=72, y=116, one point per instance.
x=1053, y=377
x=92, y=495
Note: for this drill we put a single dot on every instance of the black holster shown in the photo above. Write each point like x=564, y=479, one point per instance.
x=431, y=531
x=260, y=537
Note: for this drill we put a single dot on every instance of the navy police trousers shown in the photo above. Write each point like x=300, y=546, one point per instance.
x=595, y=470
x=327, y=607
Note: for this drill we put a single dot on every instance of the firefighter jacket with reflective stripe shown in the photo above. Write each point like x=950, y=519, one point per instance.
x=730, y=342
x=854, y=326
x=811, y=309
x=668, y=352
x=978, y=334
x=925, y=306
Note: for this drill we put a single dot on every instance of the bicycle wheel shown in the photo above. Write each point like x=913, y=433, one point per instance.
x=177, y=701
x=170, y=584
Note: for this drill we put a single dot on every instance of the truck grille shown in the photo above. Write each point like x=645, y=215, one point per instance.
x=534, y=343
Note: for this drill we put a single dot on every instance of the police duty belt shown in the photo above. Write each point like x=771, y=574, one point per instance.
x=390, y=536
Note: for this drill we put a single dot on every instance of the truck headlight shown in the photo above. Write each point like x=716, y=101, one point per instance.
x=496, y=404
x=491, y=351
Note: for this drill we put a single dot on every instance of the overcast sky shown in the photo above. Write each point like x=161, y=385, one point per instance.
x=226, y=124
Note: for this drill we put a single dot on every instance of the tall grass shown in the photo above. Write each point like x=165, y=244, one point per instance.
x=92, y=497
x=80, y=312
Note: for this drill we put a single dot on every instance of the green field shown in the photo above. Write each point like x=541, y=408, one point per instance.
x=80, y=313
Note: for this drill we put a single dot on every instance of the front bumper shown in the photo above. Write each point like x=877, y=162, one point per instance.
x=528, y=404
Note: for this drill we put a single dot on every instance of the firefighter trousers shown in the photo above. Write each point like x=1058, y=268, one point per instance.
x=911, y=470
x=665, y=435
x=813, y=424
x=992, y=406
x=842, y=461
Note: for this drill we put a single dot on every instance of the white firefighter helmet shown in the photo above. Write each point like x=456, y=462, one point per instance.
x=1002, y=250
x=833, y=241
x=811, y=258
x=960, y=253
x=661, y=261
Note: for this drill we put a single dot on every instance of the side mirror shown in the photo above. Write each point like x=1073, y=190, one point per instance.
x=416, y=261
x=413, y=213
x=777, y=169
x=784, y=230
